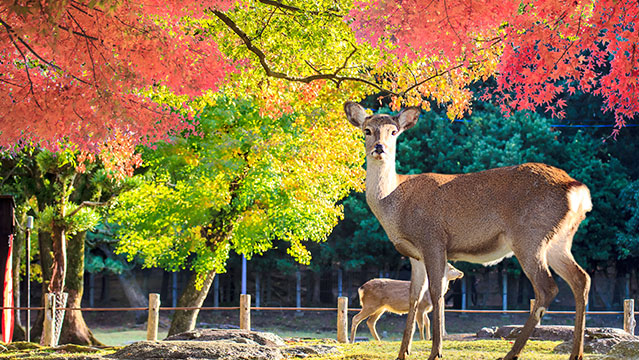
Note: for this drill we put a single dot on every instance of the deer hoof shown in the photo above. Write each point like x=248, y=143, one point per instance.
x=436, y=356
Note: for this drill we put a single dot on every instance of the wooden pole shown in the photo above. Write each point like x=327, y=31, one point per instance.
x=154, y=317
x=48, y=327
x=629, y=321
x=28, y=268
x=245, y=312
x=298, y=289
x=342, y=319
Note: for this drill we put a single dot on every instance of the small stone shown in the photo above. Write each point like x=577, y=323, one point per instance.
x=486, y=332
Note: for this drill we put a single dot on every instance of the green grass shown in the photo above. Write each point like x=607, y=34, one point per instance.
x=385, y=350
x=453, y=350
x=119, y=336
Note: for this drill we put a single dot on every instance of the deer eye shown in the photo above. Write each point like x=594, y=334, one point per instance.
x=394, y=132
x=367, y=132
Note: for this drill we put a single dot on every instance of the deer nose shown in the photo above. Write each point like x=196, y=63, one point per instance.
x=379, y=148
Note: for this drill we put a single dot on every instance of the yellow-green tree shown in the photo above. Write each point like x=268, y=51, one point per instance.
x=243, y=182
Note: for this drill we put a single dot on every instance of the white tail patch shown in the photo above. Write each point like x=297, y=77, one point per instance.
x=360, y=291
x=579, y=199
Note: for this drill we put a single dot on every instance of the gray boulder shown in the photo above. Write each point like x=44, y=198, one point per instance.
x=221, y=344
x=627, y=350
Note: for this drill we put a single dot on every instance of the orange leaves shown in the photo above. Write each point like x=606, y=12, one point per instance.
x=75, y=72
x=588, y=46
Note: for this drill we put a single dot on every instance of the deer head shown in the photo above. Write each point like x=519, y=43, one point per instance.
x=381, y=130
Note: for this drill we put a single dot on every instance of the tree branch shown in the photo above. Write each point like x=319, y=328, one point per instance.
x=10, y=31
x=87, y=204
x=296, y=9
x=280, y=75
x=24, y=57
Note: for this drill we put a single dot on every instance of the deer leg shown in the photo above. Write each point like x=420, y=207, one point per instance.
x=427, y=326
x=417, y=287
x=358, y=318
x=420, y=323
x=372, y=321
x=436, y=268
x=562, y=261
x=536, y=269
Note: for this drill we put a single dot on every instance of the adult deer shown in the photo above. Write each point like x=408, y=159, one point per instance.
x=530, y=210
x=380, y=295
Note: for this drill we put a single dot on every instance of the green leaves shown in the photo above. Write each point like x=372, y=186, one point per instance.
x=247, y=181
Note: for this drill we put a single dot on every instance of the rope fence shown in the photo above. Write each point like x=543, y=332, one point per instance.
x=629, y=321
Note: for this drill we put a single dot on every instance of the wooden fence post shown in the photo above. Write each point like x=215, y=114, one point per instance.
x=629, y=321
x=342, y=319
x=48, y=327
x=245, y=312
x=154, y=317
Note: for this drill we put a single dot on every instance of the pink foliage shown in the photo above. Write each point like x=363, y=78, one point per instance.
x=86, y=64
x=590, y=46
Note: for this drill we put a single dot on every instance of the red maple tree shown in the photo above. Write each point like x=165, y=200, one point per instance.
x=77, y=71
x=543, y=48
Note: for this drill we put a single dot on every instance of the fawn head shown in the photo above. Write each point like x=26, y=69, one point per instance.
x=381, y=130
x=452, y=273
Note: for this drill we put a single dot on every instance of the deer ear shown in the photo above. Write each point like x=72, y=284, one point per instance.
x=355, y=113
x=407, y=118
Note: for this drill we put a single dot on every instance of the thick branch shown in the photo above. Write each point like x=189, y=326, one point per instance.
x=280, y=75
x=296, y=9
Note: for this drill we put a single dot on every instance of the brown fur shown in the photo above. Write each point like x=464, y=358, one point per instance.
x=530, y=210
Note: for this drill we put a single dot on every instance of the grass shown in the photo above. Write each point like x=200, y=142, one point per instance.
x=453, y=350
x=122, y=336
x=385, y=350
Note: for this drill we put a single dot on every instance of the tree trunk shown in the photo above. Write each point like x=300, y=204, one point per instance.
x=185, y=320
x=46, y=264
x=59, y=241
x=315, y=299
x=131, y=288
x=74, y=328
x=134, y=295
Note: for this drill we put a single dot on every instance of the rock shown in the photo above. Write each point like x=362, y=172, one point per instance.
x=598, y=340
x=176, y=349
x=302, y=351
x=544, y=332
x=72, y=348
x=23, y=345
x=486, y=332
x=627, y=350
x=360, y=339
x=222, y=345
x=261, y=338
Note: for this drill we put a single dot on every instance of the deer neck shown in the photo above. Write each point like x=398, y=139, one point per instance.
x=381, y=180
